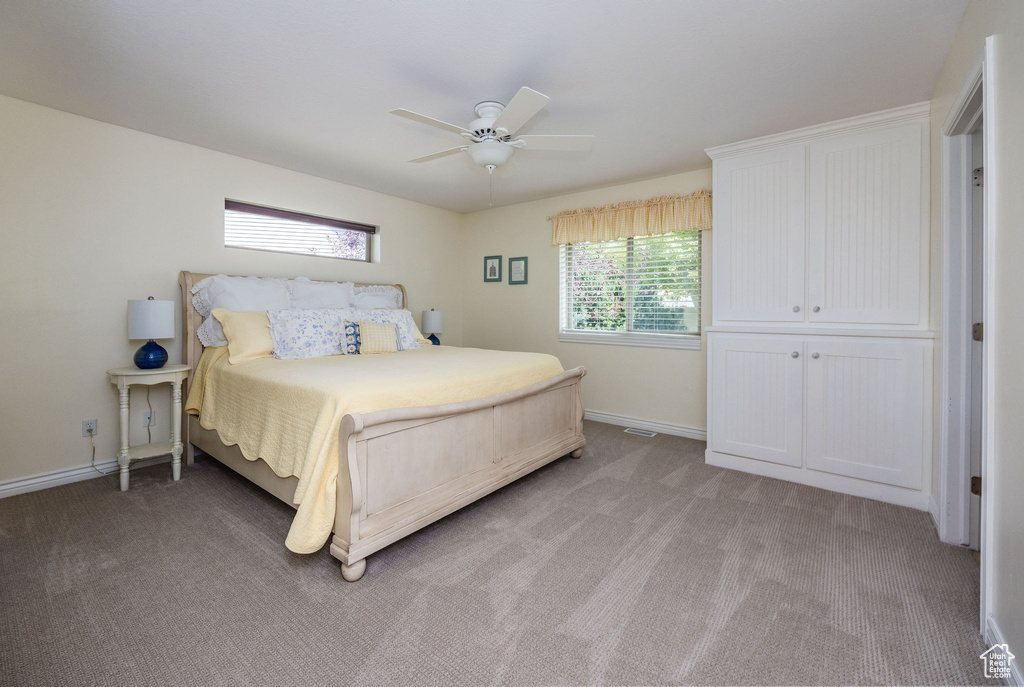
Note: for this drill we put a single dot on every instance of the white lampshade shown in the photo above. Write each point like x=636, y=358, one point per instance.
x=151, y=319
x=432, y=322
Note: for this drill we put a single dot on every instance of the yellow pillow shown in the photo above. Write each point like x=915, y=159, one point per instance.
x=377, y=337
x=248, y=334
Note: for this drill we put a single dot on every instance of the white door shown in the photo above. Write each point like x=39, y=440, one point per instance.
x=868, y=404
x=759, y=236
x=756, y=396
x=864, y=228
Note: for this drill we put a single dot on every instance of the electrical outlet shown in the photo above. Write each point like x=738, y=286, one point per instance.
x=89, y=428
x=148, y=420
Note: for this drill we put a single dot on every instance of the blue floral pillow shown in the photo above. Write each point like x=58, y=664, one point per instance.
x=308, y=333
x=352, y=338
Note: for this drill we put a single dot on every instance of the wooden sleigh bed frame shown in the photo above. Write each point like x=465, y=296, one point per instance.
x=401, y=469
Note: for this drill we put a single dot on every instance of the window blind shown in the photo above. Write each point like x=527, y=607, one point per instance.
x=648, y=284
x=284, y=231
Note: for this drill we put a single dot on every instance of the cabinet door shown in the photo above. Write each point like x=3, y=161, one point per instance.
x=759, y=236
x=864, y=229
x=756, y=392
x=867, y=407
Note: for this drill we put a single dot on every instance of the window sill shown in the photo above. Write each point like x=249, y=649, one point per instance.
x=684, y=341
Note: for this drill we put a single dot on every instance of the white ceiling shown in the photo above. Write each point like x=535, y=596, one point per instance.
x=307, y=84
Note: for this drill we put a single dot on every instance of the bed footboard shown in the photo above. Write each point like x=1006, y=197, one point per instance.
x=400, y=470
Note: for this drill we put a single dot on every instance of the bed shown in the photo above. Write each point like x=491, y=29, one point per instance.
x=399, y=469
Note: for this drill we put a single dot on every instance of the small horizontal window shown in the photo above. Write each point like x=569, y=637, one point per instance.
x=284, y=231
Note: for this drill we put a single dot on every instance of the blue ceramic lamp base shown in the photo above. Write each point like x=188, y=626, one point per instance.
x=434, y=340
x=151, y=356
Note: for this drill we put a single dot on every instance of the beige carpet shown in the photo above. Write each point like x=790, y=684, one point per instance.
x=637, y=564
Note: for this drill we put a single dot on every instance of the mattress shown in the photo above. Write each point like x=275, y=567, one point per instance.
x=288, y=412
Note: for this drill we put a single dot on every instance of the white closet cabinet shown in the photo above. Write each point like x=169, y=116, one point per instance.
x=846, y=406
x=865, y=414
x=760, y=198
x=819, y=356
x=864, y=242
x=822, y=228
x=757, y=401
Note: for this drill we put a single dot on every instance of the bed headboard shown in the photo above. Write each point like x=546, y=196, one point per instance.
x=191, y=347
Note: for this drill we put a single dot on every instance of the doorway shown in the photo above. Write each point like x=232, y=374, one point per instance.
x=960, y=505
x=975, y=278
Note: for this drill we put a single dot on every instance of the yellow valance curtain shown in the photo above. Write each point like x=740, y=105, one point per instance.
x=661, y=215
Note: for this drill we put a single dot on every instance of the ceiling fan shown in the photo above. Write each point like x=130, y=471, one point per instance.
x=491, y=138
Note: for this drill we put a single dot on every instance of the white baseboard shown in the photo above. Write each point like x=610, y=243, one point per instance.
x=845, y=485
x=23, y=485
x=992, y=637
x=649, y=425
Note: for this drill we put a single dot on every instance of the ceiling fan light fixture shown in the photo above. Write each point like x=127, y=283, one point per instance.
x=490, y=153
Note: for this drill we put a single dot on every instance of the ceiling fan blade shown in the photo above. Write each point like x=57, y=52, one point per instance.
x=443, y=153
x=523, y=107
x=568, y=142
x=424, y=119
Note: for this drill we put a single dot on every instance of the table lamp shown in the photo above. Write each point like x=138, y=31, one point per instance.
x=150, y=319
x=432, y=325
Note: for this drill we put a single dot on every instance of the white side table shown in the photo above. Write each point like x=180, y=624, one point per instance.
x=124, y=378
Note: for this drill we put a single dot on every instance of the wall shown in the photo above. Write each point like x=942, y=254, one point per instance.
x=662, y=385
x=1005, y=328
x=92, y=215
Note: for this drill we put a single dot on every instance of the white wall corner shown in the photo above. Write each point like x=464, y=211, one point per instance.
x=993, y=637
x=933, y=510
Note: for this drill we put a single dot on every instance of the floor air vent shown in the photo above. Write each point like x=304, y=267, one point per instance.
x=641, y=432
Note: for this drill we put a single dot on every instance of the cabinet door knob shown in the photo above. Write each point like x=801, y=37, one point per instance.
x=814, y=355
x=795, y=354
x=796, y=308
x=817, y=308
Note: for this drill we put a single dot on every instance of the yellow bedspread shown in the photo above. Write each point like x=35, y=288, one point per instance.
x=288, y=412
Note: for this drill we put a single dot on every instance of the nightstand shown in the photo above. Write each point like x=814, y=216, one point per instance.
x=126, y=377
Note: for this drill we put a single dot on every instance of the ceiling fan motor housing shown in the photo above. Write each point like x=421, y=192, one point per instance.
x=490, y=148
x=483, y=127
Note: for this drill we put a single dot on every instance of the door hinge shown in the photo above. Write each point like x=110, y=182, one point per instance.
x=976, y=486
x=978, y=331
x=979, y=177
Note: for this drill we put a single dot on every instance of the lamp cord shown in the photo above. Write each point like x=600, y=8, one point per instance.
x=92, y=435
x=92, y=440
x=149, y=426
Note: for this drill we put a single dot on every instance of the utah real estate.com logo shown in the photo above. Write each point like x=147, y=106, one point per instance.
x=997, y=662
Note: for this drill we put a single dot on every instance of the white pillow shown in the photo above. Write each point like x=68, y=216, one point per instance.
x=308, y=333
x=376, y=296
x=239, y=294
x=313, y=295
x=403, y=318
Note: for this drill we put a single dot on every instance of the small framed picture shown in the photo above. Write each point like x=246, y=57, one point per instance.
x=517, y=271
x=492, y=268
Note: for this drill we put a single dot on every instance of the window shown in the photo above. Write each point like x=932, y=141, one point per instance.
x=284, y=231
x=640, y=291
